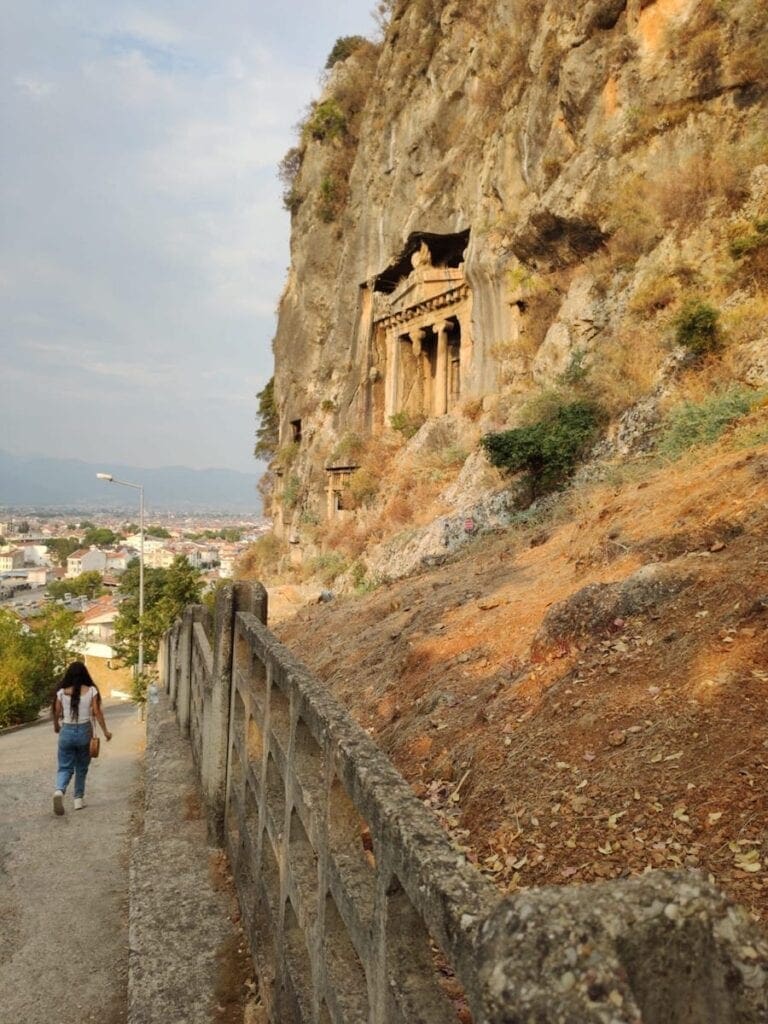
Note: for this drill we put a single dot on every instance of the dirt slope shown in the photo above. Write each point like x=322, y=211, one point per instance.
x=565, y=734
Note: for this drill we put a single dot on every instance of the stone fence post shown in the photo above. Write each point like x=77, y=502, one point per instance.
x=231, y=599
x=184, y=695
x=666, y=947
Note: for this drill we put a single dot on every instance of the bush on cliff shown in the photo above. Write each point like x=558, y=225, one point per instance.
x=697, y=329
x=327, y=121
x=694, y=423
x=549, y=450
x=343, y=48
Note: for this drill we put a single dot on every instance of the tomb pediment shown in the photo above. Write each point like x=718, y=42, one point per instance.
x=425, y=287
x=424, y=284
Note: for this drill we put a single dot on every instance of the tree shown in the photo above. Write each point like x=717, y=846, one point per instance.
x=548, y=450
x=343, y=48
x=31, y=662
x=157, y=531
x=62, y=547
x=267, y=431
x=99, y=536
x=166, y=594
x=87, y=584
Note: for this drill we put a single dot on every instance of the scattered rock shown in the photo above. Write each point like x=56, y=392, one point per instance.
x=598, y=606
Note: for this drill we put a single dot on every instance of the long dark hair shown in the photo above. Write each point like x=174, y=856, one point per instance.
x=76, y=677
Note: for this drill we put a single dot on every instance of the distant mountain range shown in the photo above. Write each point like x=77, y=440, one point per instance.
x=70, y=483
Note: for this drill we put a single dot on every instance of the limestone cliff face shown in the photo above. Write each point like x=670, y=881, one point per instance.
x=506, y=192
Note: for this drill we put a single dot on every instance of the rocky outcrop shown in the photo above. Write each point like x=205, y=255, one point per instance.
x=598, y=607
x=504, y=196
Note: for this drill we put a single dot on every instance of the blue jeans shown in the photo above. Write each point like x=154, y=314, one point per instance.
x=74, y=756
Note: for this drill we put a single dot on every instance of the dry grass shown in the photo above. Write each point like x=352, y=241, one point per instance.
x=633, y=222
x=472, y=408
x=746, y=321
x=626, y=367
x=713, y=174
x=261, y=560
x=654, y=294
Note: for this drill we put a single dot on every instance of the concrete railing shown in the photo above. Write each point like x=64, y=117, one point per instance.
x=360, y=911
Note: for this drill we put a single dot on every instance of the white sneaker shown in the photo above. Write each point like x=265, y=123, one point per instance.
x=58, y=802
x=79, y=803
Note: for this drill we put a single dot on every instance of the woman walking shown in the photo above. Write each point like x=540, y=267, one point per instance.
x=76, y=704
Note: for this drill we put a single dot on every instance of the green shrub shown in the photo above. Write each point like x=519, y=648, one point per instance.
x=343, y=48
x=407, y=424
x=364, y=484
x=348, y=450
x=328, y=566
x=326, y=121
x=331, y=199
x=260, y=559
x=361, y=581
x=291, y=492
x=697, y=329
x=577, y=370
x=139, y=685
x=288, y=171
x=453, y=456
x=548, y=451
x=743, y=245
x=695, y=423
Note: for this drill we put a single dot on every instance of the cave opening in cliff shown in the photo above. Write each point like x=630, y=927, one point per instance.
x=444, y=251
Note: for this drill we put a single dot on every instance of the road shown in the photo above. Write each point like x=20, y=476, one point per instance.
x=64, y=881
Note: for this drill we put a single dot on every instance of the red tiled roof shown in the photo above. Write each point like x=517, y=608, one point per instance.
x=104, y=605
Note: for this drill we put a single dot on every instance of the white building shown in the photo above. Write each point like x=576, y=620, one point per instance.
x=36, y=554
x=227, y=567
x=159, y=558
x=12, y=559
x=86, y=560
x=97, y=629
x=39, y=575
x=117, y=561
x=150, y=543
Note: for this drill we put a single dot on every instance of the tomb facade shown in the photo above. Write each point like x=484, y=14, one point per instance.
x=419, y=339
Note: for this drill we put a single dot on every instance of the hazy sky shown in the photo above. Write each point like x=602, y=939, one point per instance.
x=143, y=246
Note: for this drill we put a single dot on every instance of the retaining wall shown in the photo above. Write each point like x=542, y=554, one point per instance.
x=361, y=912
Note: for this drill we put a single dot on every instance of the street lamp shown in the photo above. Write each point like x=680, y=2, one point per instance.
x=140, y=488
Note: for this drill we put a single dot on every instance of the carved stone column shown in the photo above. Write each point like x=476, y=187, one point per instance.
x=392, y=379
x=417, y=337
x=440, y=397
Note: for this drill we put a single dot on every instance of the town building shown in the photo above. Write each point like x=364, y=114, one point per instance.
x=86, y=560
x=97, y=629
x=12, y=559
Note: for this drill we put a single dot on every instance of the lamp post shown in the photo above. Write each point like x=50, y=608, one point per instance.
x=140, y=488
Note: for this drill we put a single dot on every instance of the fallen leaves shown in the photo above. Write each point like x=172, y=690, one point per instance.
x=748, y=860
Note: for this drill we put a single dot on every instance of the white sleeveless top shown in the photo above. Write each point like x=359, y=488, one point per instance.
x=87, y=697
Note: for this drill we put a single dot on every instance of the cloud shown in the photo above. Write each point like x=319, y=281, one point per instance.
x=37, y=88
x=144, y=241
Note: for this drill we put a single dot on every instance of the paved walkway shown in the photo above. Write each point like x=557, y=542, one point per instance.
x=64, y=881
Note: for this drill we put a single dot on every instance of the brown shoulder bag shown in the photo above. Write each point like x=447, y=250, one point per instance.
x=95, y=741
